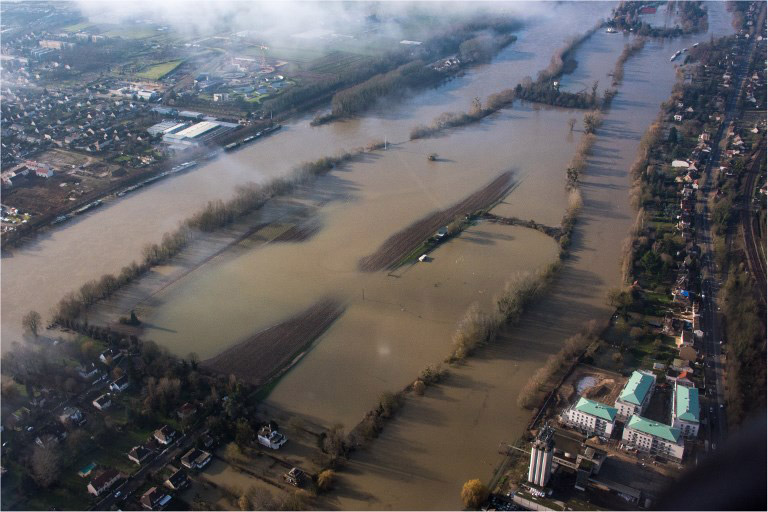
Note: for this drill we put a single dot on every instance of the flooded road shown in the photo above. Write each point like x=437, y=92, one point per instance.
x=39, y=274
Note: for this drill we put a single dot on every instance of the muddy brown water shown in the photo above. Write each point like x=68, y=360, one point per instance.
x=452, y=433
x=405, y=322
x=39, y=274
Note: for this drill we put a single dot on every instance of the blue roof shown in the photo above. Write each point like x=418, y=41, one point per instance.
x=653, y=428
x=637, y=388
x=593, y=408
x=687, y=403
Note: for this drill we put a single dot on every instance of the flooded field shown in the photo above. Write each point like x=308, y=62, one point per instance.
x=37, y=275
x=452, y=433
x=395, y=323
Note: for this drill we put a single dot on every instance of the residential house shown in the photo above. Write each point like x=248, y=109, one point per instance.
x=269, y=436
x=71, y=416
x=109, y=355
x=685, y=410
x=655, y=438
x=103, y=402
x=89, y=372
x=186, y=411
x=155, y=499
x=120, y=385
x=104, y=481
x=685, y=339
x=592, y=417
x=636, y=394
x=165, y=435
x=682, y=365
x=139, y=454
x=196, y=459
x=178, y=480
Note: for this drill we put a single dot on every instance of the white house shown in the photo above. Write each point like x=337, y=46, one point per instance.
x=102, y=403
x=120, y=385
x=103, y=482
x=636, y=394
x=654, y=438
x=592, y=417
x=271, y=438
x=685, y=410
x=196, y=459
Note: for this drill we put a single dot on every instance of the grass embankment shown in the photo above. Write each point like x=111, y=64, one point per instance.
x=540, y=91
x=158, y=71
x=401, y=244
x=215, y=215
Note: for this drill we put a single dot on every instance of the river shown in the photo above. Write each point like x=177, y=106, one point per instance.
x=60, y=260
x=402, y=323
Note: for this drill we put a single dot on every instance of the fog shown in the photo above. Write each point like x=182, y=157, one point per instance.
x=291, y=18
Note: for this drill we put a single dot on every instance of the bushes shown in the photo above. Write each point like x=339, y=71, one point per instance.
x=215, y=215
x=474, y=493
x=629, y=50
x=475, y=329
x=567, y=356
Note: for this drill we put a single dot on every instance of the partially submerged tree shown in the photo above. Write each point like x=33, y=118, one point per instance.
x=474, y=493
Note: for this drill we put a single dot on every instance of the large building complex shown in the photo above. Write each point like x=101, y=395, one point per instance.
x=685, y=410
x=592, y=417
x=636, y=394
x=654, y=438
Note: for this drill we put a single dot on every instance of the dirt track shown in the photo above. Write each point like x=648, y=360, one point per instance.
x=396, y=247
x=265, y=354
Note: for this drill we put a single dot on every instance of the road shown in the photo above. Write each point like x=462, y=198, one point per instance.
x=714, y=370
x=132, y=483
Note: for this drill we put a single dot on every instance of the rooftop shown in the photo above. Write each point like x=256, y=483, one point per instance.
x=687, y=403
x=637, y=388
x=653, y=428
x=593, y=408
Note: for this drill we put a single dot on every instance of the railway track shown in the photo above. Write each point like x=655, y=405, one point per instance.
x=751, y=239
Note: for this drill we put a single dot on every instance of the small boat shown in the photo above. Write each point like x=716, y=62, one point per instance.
x=611, y=30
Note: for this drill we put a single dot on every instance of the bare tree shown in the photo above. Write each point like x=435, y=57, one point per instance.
x=46, y=466
x=31, y=322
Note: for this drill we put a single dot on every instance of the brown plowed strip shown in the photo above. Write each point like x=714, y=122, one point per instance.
x=396, y=247
x=298, y=233
x=266, y=354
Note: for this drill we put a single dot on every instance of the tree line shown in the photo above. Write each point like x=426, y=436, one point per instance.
x=214, y=215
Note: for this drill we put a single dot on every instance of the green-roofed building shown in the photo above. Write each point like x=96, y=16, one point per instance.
x=591, y=418
x=636, y=394
x=655, y=438
x=685, y=410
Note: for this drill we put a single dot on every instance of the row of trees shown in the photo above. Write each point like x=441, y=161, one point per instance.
x=446, y=43
x=556, y=363
x=630, y=49
x=215, y=215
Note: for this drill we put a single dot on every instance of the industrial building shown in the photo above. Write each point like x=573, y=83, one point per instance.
x=592, y=418
x=166, y=127
x=197, y=133
x=685, y=410
x=636, y=394
x=540, y=468
x=655, y=438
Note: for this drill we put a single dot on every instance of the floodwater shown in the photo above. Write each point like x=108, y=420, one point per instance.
x=61, y=260
x=452, y=434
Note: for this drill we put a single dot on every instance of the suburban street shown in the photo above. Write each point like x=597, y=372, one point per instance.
x=710, y=285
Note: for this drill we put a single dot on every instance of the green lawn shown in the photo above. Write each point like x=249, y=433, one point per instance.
x=77, y=27
x=158, y=71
